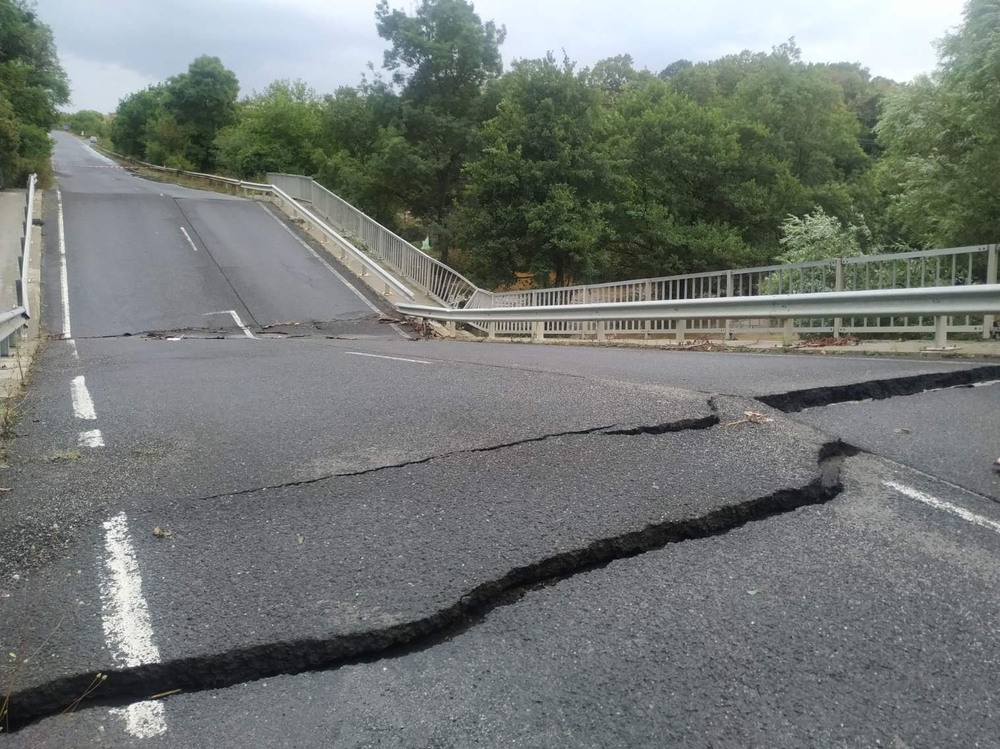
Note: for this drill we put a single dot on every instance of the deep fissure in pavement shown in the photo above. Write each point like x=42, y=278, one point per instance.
x=798, y=400
x=229, y=668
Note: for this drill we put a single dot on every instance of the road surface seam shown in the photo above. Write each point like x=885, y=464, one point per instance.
x=196, y=673
x=798, y=400
x=340, y=276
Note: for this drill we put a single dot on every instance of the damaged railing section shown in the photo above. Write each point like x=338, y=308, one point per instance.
x=443, y=284
x=12, y=323
x=938, y=302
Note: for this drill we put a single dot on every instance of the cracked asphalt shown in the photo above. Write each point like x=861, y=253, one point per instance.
x=340, y=537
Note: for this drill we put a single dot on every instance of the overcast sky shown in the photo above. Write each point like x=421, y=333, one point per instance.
x=113, y=47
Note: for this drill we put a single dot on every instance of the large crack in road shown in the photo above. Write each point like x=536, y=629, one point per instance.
x=227, y=668
x=216, y=666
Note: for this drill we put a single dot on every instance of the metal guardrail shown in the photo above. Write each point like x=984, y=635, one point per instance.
x=918, y=269
x=12, y=322
x=938, y=302
x=392, y=285
x=434, y=278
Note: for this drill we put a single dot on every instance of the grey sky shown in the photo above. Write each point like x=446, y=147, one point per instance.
x=113, y=47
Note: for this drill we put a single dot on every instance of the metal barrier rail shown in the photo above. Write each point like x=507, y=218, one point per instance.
x=12, y=322
x=937, y=302
x=437, y=280
x=392, y=285
x=918, y=269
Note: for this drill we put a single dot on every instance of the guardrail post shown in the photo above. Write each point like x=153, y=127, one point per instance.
x=18, y=285
x=941, y=331
x=991, y=277
x=680, y=331
x=491, y=330
x=5, y=346
x=648, y=291
x=838, y=285
x=538, y=331
x=788, y=334
x=602, y=330
x=730, y=288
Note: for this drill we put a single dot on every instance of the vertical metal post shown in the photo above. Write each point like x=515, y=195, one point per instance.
x=838, y=285
x=729, y=293
x=491, y=329
x=680, y=330
x=538, y=329
x=991, y=277
x=450, y=327
x=602, y=330
x=941, y=331
x=648, y=294
x=788, y=334
x=5, y=346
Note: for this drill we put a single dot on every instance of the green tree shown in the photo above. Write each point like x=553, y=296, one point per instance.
x=202, y=101
x=941, y=167
x=276, y=130
x=32, y=87
x=129, y=126
x=88, y=122
x=819, y=236
x=441, y=57
x=534, y=198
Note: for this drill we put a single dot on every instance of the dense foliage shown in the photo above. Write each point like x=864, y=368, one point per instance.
x=579, y=175
x=32, y=86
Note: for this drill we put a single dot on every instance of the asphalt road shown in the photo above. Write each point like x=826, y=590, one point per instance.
x=332, y=535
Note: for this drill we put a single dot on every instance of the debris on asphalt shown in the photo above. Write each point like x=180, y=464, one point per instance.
x=162, y=533
x=752, y=417
x=844, y=340
x=290, y=323
x=904, y=430
x=996, y=465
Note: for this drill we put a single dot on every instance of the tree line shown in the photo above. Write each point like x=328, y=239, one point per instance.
x=32, y=87
x=608, y=172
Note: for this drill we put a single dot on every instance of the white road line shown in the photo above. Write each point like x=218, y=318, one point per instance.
x=92, y=438
x=330, y=268
x=244, y=328
x=83, y=405
x=67, y=330
x=144, y=720
x=236, y=318
x=188, y=238
x=940, y=504
x=125, y=617
x=394, y=358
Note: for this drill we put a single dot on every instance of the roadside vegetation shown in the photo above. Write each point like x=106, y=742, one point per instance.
x=32, y=87
x=608, y=172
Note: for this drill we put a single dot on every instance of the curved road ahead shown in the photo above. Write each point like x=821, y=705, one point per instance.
x=267, y=518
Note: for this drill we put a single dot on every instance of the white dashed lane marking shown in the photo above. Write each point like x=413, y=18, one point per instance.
x=83, y=404
x=940, y=504
x=127, y=628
